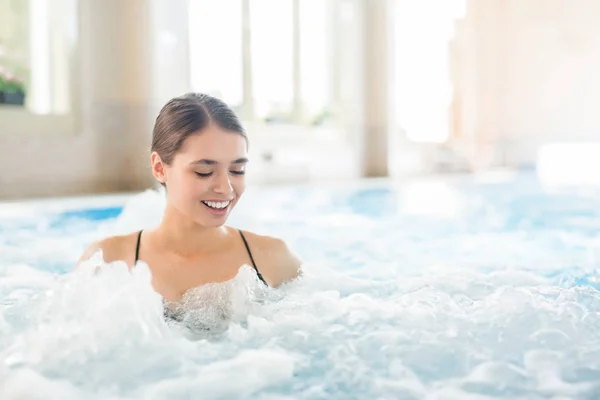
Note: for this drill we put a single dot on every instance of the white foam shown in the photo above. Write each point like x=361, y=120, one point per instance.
x=28, y=384
x=419, y=305
x=253, y=370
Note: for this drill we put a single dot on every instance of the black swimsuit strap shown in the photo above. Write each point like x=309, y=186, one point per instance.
x=252, y=258
x=137, y=254
x=137, y=247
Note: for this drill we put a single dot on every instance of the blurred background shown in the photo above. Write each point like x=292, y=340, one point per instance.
x=328, y=89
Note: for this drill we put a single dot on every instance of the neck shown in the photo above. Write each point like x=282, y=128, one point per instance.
x=185, y=237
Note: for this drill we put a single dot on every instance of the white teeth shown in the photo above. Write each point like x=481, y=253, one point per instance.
x=217, y=204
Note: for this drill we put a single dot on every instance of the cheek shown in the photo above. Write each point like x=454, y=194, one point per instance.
x=239, y=186
x=186, y=184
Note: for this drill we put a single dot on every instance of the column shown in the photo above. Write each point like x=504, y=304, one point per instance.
x=116, y=89
x=377, y=81
x=334, y=51
x=170, y=50
x=297, y=65
x=248, y=109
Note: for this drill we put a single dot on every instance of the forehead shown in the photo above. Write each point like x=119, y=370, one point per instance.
x=213, y=143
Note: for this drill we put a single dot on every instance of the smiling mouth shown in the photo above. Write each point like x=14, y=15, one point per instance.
x=217, y=205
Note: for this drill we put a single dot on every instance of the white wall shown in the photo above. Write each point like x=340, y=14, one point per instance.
x=526, y=73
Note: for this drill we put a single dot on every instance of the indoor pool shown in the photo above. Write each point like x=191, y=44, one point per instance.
x=435, y=288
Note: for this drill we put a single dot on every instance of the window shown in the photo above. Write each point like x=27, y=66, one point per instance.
x=36, y=46
x=423, y=83
x=268, y=59
x=271, y=27
x=315, y=47
x=216, y=49
x=14, y=48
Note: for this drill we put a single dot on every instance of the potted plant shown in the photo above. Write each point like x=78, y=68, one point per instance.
x=12, y=90
x=2, y=84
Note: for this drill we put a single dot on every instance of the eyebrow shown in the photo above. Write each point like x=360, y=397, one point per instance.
x=242, y=160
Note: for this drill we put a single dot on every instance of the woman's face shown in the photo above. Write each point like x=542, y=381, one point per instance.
x=206, y=178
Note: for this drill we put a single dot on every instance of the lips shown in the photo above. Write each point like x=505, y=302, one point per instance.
x=217, y=208
x=218, y=205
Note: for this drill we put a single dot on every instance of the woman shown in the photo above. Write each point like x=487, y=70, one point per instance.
x=199, y=153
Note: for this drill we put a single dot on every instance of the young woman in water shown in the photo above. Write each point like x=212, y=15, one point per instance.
x=199, y=153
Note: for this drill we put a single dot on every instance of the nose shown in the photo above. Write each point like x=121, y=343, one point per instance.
x=222, y=184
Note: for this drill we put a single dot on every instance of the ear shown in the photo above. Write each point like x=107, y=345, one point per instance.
x=158, y=168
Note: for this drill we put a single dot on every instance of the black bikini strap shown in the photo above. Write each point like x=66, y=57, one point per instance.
x=252, y=258
x=137, y=247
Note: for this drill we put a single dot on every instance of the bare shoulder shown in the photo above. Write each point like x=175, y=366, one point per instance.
x=114, y=248
x=274, y=258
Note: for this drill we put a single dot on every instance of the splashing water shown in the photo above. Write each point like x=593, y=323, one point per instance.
x=486, y=291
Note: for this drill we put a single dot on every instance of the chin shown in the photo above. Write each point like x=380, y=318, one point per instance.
x=210, y=221
x=210, y=224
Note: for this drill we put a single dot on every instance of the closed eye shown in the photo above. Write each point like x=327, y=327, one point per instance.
x=209, y=174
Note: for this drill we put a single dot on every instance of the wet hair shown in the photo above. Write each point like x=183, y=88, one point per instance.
x=187, y=115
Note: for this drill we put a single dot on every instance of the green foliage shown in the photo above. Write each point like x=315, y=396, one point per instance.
x=11, y=84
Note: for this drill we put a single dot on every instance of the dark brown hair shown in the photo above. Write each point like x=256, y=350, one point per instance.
x=187, y=115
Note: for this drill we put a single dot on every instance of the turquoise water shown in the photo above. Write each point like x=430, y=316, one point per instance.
x=479, y=287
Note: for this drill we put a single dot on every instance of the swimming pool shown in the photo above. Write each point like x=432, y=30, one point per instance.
x=475, y=287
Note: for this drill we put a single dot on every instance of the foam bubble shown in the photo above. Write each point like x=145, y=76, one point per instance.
x=28, y=384
x=499, y=302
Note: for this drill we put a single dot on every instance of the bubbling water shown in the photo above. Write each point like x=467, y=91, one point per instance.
x=469, y=309
x=451, y=335
x=102, y=329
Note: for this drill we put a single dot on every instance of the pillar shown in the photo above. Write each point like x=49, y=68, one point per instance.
x=298, y=106
x=134, y=58
x=248, y=109
x=377, y=86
